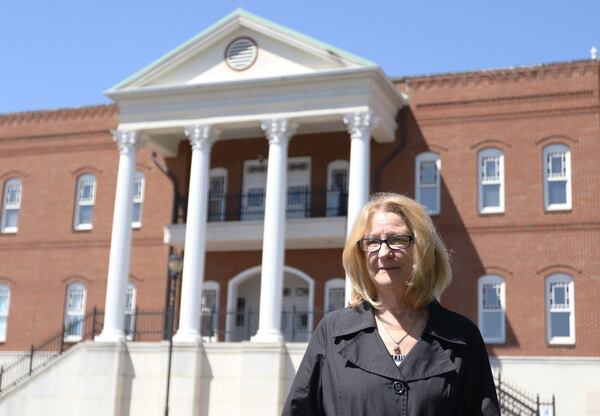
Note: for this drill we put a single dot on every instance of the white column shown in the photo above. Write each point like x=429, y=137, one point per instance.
x=201, y=138
x=120, y=242
x=360, y=125
x=271, y=280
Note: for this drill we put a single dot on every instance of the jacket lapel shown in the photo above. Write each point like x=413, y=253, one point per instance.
x=358, y=342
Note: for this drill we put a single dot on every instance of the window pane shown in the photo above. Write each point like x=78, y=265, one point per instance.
x=11, y=219
x=559, y=324
x=217, y=186
x=138, y=187
x=86, y=190
x=13, y=194
x=3, y=320
x=557, y=191
x=137, y=212
x=492, y=324
x=490, y=168
x=428, y=197
x=336, y=298
x=3, y=301
x=85, y=214
x=556, y=161
x=428, y=174
x=559, y=297
x=75, y=301
x=491, y=195
x=491, y=296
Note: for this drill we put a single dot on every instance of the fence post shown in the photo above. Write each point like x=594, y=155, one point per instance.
x=553, y=406
x=133, y=323
x=1, y=374
x=537, y=404
x=94, y=317
x=31, y=360
x=62, y=339
x=248, y=322
x=293, y=323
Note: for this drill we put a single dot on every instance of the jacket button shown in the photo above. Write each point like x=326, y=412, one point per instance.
x=399, y=387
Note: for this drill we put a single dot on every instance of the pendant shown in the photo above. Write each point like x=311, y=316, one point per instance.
x=397, y=350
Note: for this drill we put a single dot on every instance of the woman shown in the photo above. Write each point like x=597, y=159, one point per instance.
x=395, y=350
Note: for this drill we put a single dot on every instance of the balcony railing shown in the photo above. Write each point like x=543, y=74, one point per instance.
x=301, y=203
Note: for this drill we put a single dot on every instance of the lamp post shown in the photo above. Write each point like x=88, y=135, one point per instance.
x=175, y=265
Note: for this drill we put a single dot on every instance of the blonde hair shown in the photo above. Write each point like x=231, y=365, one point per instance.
x=431, y=272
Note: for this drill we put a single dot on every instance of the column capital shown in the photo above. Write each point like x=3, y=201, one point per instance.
x=361, y=123
x=127, y=140
x=201, y=136
x=278, y=130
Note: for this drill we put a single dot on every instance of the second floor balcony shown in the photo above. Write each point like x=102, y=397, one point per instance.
x=315, y=219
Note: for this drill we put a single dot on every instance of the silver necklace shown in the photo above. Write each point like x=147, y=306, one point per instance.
x=397, y=349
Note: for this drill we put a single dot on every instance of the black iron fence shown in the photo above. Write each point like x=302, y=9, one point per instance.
x=147, y=325
x=301, y=203
x=515, y=402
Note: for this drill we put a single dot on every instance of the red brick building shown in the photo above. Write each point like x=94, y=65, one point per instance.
x=506, y=160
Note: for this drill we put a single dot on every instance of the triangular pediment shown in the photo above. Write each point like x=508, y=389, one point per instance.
x=241, y=46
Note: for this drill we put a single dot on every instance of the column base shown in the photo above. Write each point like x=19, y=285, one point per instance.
x=267, y=336
x=110, y=336
x=188, y=337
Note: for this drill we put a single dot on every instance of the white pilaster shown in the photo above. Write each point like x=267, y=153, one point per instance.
x=201, y=138
x=360, y=125
x=278, y=133
x=120, y=242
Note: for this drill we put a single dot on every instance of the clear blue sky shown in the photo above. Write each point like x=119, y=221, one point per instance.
x=65, y=53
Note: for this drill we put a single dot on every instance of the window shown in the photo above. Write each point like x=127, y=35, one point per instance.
x=130, y=300
x=209, y=308
x=4, y=308
x=216, y=194
x=138, y=200
x=84, y=204
x=560, y=309
x=491, y=307
x=74, y=312
x=337, y=188
x=491, y=181
x=427, y=177
x=557, y=177
x=335, y=294
x=11, y=205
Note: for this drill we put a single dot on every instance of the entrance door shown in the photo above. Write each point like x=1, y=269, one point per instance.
x=255, y=183
x=295, y=310
x=298, y=201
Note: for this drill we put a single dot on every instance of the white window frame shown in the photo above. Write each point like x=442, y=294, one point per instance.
x=482, y=282
x=211, y=285
x=81, y=313
x=11, y=206
x=79, y=203
x=552, y=149
x=4, y=312
x=138, y=198
x=130, y=310
x=483, y=181
x=221, y=200
x=335, y=283
x=333, y=194
x=568, y=281
x=423, y=158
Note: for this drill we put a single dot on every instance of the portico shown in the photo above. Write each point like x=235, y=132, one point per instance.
x=204, y=92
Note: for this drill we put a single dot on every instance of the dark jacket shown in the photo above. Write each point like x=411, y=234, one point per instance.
x=347, y=370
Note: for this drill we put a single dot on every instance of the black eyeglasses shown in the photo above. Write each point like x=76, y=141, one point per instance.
x=394, y=242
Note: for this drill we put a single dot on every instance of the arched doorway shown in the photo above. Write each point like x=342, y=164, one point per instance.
x=243, y=302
